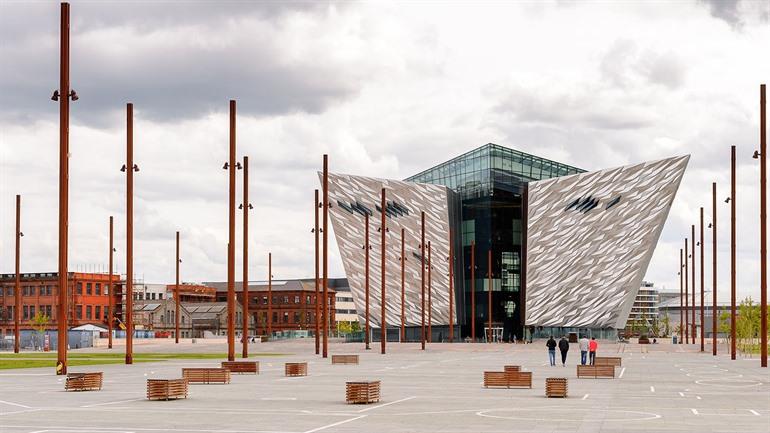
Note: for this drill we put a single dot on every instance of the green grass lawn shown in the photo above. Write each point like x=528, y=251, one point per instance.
x=48, y=359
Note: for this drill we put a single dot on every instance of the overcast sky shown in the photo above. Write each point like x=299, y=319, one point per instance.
x=387, y=89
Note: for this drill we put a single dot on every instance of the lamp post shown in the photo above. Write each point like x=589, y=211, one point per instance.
x=430, y=296
x=110, y=294
x=681, y=298
x=422, y=279
x=383, y=230
x=325, y=255
x=451, y=289
x=702, y=289
x=692, y=270
x=686, y=297
x=402, y=259
x=231, y=242
x=246, y=206
x=176, y=293
x=733, y=241
x=489, y=293
x=316, y=206
x=17, y=280
x=367, y=247
x=269, y=295
x=763, y=224
x=129, y=168
x=473, y=291
x=714, y=268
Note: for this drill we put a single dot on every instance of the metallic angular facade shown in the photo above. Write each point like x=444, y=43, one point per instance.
x=590, y=238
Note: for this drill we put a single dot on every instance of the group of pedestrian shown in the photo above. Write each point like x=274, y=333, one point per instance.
x=587, y=350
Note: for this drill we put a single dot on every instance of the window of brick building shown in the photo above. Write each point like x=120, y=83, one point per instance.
x=275, y=317
x=88, y=289
x=286, y=317
x=98, y=288
x=79, y=289
x=88, y=312
x=296, y=299
x=296, y=317
x=25, y=312
x=97, y=312
x=285, y=299
x=79, y=312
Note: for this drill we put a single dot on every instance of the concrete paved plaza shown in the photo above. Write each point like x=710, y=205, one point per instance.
x=667, y=389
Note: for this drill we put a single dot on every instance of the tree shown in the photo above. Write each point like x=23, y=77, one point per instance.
x=40, y=323
x=666, y=321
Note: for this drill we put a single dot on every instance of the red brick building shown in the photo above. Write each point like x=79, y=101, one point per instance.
x=88, y=299
x=293, y=305
x=191, y=292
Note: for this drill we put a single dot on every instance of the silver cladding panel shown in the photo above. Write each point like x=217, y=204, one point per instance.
x=584, y=268
x=349, y=233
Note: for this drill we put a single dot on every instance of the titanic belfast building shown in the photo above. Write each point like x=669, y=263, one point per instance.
x=567, y=248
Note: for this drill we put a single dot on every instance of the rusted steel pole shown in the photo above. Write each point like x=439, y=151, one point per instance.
x=763, y=224
x=702, y=287
x=129, y=310
x=686, y=297
x=692, y=266
x=489, y=293
x=326, y=256
x=403, y=264
x=246, y=317
x=64, y=149
x=269, y=294
x=473, y=291
x=110, y=294
x=366, y=280
x=422, y=279
x=733, y=263
x=231, y=243
x=681, y=298
x=176, y=293
x=429, y=334
x=451, y=289
x=714, y=268
x=383, y=228
x=316, y=205
x=17, y=281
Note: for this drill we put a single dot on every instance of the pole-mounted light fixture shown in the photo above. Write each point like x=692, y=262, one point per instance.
x=756, y=154
x=727, y=200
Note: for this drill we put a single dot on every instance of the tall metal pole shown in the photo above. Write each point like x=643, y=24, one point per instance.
x=473, y=291
x=451, y=289
x=714, y=268
x=686, y=297
x=176, y=293
x=269, y=294
x=316, y=205
x=422, y=279
x=231, y=243
x=681, y=298
x=246, y=317
x=403, y=264
x=17, y=281
x=430, y=295
x=763, y=224
x=64, y=149
x=692, y=266
x=733, y=264
x=383, y=227
x=489, y=293
x=366, y=280
x=326, y=256
x=702, y=287
x=129, y=234
x=110, y=294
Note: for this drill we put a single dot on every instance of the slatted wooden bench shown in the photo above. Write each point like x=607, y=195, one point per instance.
x=83, y=381
x=608, y=360
x=556, y=387
x=512, y=368
x=206, y=375
x=166, y=389
x=344, y=359
x=241, y=366
x=507, y=379
x=362, y=392
x=596, y=371
x=296, y=369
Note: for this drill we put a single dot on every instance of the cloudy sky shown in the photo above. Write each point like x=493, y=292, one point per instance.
x=387, y=89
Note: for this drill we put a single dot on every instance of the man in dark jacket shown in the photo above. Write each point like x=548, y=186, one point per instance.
x=563, y=348
x=551, y=345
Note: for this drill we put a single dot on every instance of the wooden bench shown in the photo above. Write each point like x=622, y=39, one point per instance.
x=166, y=389
x=507, y=379
x=596, y=371
x=241, y=366
x=83, y=381
x=206, y=375
x=512, y=368
x=363, y=392
x=556, y=387
x=296, y=368
x=344, y=359
x=608, y=360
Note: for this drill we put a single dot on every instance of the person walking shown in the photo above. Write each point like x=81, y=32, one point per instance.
x=592, y=346
x=583, y=343
x=551, y=345
x=563, y=348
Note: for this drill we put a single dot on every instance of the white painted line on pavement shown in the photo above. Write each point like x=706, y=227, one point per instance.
x=620, y=376
x=10, y=403
x=112, y=402
x=279, y=398
x=754, y=412
x=681, y=394
x=334, y=424
x=652, y=389
x=698, y=397
x=694, y=411
x=386, y=404
x=585, y=397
